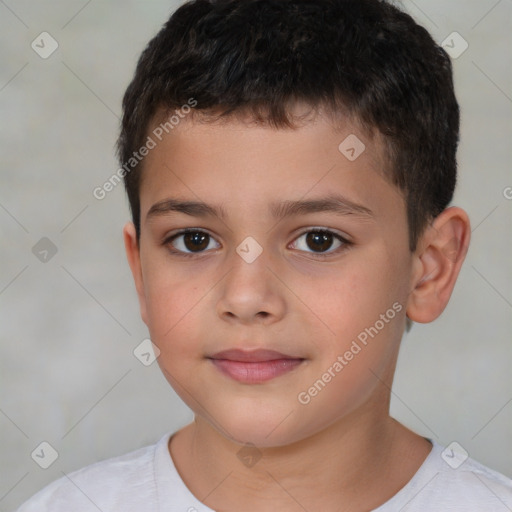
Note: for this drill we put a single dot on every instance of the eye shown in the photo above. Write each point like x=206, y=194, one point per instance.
x=189, y=242
x=320, y=241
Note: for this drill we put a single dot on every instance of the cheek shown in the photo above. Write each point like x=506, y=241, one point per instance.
x=353, y=364
x=356, y=294
x=171, y=301
x=362, y=305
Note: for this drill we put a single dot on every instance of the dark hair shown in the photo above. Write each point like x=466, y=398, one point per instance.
x=365, y=59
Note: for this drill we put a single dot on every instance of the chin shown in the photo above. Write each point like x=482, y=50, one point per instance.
x=264, y=429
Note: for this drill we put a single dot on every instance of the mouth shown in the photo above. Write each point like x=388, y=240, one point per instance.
x=256, y=366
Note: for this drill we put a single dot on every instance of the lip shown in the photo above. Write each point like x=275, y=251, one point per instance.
x=255, y=366
x=251, y=356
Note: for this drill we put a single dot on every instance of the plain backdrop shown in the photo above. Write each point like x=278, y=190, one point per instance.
x=69, y=325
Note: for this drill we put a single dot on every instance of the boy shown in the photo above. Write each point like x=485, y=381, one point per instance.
x=289, y=166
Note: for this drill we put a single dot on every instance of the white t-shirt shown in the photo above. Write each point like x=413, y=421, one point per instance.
x=146, y=480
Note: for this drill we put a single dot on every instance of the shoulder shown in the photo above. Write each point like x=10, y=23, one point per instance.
x=119, y=483
x=473, y=484
x=450, y=480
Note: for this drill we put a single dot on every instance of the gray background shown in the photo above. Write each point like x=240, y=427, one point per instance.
x=69, y=326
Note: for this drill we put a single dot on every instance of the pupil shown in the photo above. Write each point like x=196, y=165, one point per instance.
x=323, y=240
x=196, y=240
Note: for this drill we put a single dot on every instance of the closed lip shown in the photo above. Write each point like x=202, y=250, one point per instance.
x=251, y=356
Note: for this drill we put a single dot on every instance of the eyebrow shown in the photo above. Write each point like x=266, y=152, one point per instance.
x=336, y=204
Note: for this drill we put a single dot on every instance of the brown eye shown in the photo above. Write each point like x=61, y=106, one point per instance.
x=189, y=242
x=196, y=241
x=319, y=242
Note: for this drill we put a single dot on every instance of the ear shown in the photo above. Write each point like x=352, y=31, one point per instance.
x=132, y=248
x=437, y=261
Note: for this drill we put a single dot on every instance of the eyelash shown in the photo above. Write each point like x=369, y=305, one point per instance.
x=346, y=243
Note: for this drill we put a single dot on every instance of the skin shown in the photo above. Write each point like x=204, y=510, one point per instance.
x=341, y=451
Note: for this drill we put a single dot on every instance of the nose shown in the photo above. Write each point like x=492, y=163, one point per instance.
x=250, y=292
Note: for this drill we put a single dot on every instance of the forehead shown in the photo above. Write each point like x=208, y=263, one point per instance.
x=238, y=162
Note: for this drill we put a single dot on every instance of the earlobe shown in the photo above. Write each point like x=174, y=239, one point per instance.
x=437, y=263
x=132, y=248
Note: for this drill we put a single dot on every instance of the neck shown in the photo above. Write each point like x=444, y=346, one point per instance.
x=359, y=462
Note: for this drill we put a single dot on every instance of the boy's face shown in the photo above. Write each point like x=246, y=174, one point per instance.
x=290, y=299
